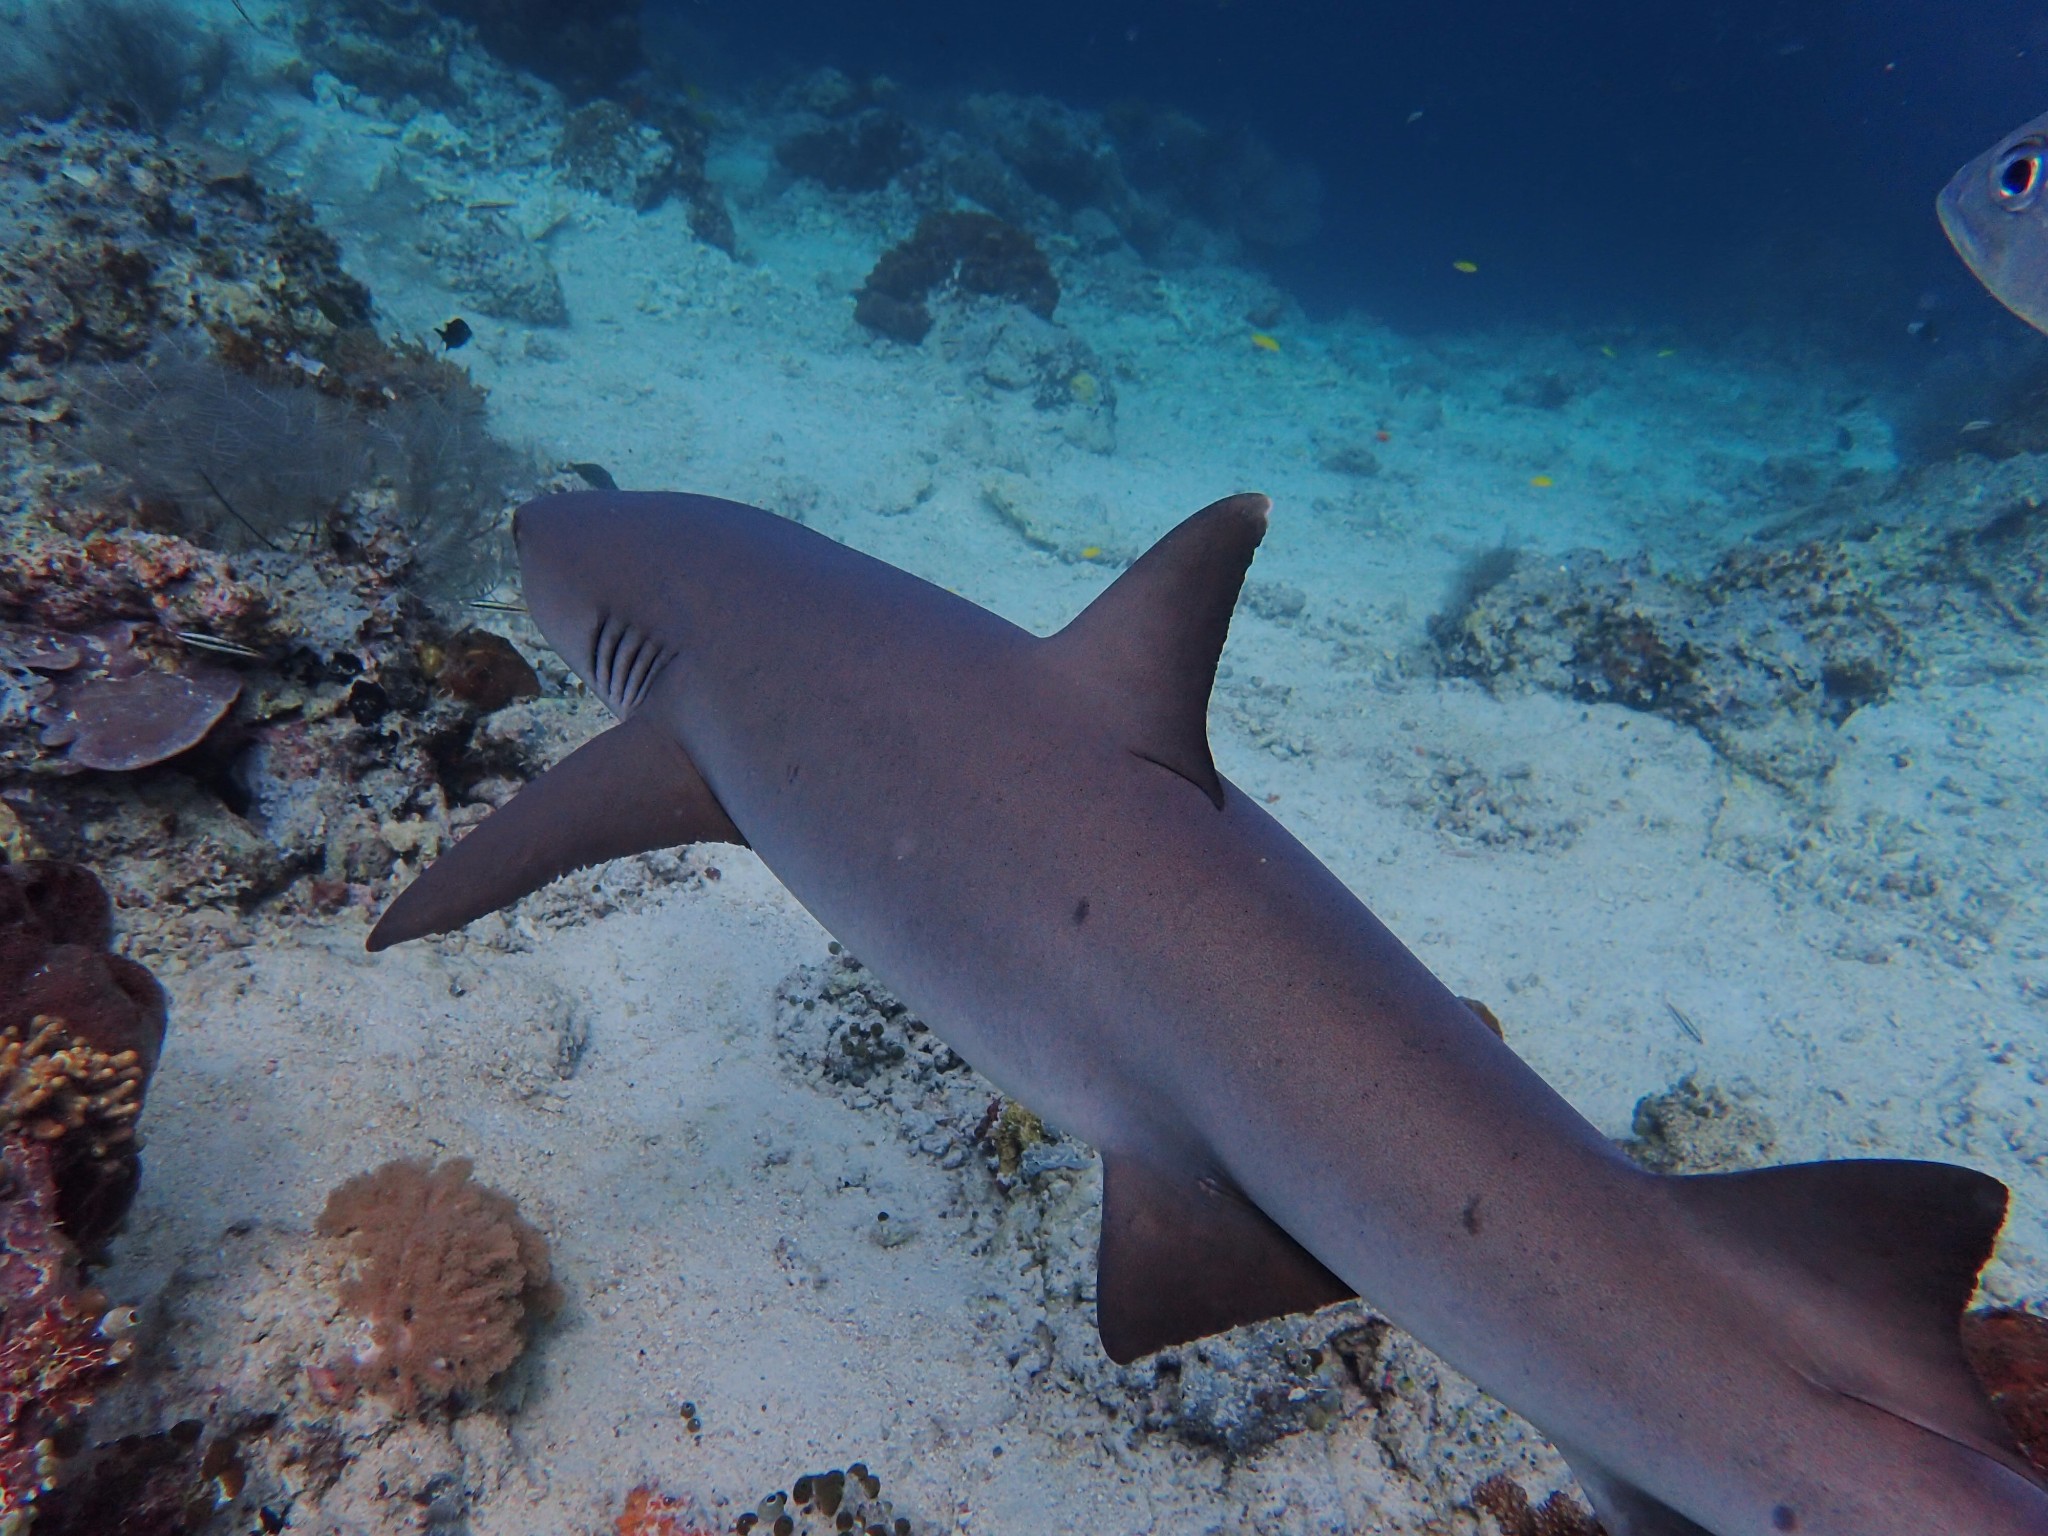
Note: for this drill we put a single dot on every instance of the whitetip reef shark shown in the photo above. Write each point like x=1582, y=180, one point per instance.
x=1027, y=839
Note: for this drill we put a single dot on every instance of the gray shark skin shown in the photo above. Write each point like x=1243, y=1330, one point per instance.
x=1995, y=212
x=1027, y=839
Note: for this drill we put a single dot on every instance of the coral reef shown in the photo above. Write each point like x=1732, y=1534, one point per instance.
x=110, y=708
x=170, y=1482
x=238, y=517
x=2008, y=1349
x=1172, y=188
x=975, y=253
x=481, y=669
x=1559, y=1515
x=59, y=1340
x=80, y=1033
x=449, y=1278
x=604, y=150
x=394, y=48
x=863, y=154
x=1782, y=640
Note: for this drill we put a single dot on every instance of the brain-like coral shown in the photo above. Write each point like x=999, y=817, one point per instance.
x=448, y=1278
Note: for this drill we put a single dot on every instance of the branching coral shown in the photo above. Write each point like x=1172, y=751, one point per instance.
x=80, y=1031
x=448, y=1277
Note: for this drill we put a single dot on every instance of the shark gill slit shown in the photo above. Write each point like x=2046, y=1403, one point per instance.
x=596, y=651
x=640, y=670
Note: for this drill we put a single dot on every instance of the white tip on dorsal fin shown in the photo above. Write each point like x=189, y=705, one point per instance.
x=1149, y=644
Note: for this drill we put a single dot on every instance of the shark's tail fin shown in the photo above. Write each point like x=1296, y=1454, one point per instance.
x=1889, y=1253
x=1865, y=1268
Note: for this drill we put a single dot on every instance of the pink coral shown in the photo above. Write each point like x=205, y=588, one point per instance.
x=447, y=1278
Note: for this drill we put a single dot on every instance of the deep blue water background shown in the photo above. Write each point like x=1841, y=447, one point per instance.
x=1735, y=165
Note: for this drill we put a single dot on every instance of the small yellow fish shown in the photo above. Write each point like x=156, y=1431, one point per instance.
x=1542, y=482
x=1092, y=552
x=1465, y=266
x=1667, y=352
x=1609, y=352
x=1264, y=342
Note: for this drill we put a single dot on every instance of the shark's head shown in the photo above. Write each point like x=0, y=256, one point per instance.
x=605, y=578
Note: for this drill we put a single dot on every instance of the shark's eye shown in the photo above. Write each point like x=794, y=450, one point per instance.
x=2019, y=177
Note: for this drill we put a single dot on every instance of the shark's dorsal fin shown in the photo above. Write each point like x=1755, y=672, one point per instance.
x=1149, y=643
x=629, y=790
x=1183, y=1258
x=1890, y=1250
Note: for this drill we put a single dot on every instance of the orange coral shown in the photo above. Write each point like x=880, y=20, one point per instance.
x=53, y=1084
x=651, y=1513
x=447, y=1277
x=2008, y=1349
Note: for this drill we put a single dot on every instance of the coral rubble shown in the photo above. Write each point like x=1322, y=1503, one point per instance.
x=449, y=1278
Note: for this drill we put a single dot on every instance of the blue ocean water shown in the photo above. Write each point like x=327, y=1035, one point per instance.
x=1649, y=631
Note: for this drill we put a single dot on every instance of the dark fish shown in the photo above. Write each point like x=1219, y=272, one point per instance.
x=1997, y=220
x=1034, y=847
x=596, y=476
x=454, y=333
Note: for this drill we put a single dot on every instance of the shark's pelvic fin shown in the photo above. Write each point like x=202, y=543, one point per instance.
x=629, y=790
x=1182, y=1259
x=1890, y=1250
x=1150, y=642
x=1623, y=1508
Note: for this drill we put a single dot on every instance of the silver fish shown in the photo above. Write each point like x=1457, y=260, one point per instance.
x=1997, y=219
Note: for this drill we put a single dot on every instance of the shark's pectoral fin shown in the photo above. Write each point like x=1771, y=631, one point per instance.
x=629, y=790
x=1883, y=1255
x=1183, y=1258
x=1147, y=647
x=1623, y=1508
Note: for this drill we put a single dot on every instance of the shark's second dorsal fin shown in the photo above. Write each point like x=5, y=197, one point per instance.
x=1149, y=643
x=1183, y=1258
x=631, y=790
x=1885, y=1253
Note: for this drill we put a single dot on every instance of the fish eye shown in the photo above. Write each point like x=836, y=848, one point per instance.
x=2019, y=177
